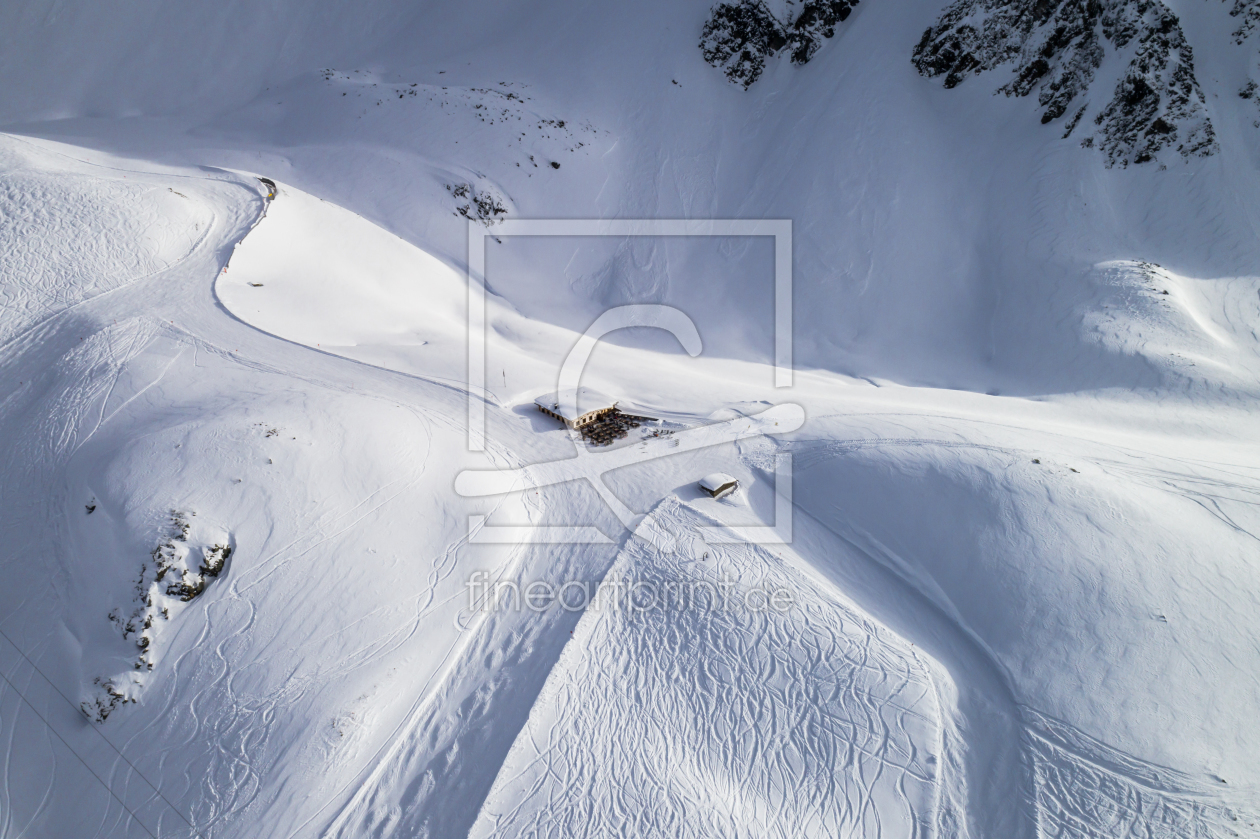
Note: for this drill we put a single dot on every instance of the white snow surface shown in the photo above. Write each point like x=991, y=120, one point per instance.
x=1024, y=598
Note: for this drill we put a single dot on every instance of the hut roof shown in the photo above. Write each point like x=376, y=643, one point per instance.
x=714, y=482
x=574, y=402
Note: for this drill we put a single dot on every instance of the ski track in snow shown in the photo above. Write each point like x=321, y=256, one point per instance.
x=84, y=380
x=816, y=721
x=67, y=236
x=1085, y=790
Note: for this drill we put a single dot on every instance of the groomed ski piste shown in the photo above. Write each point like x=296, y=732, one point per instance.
x=257, y=581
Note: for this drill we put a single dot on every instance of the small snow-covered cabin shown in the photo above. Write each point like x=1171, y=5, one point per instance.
x=576, y=408
x=718, y=484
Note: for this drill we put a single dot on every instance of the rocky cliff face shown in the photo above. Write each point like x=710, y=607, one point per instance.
x=1248, y=14
x=1055, y=48
x=739, y=37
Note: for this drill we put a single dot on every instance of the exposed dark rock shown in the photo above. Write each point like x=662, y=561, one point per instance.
x=1248, y=12
x=739, y=37
x=1251, y=91
x=168, y=573
x=1055, y=48
x=482, y=205
x=1071, y=124
x=100, y=706
x=817, y=21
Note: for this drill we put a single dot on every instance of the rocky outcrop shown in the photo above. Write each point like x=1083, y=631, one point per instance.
x=483, y=205
x=1251, y=92
x=739, y=37
x=1055, y=47
x=1248, y=14
x=176, y=573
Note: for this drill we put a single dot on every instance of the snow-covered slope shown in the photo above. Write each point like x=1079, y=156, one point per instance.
x=1026, y=491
